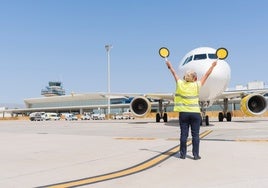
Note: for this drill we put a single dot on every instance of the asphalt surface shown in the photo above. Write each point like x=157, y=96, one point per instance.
x=131, y=153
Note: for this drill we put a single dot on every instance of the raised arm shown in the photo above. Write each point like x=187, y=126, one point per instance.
x=176, y=77
x=209, y=71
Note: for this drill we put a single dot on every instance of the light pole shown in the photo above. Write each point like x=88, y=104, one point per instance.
x=108, y=48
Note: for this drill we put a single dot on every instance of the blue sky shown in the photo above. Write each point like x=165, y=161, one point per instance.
x=44, y=40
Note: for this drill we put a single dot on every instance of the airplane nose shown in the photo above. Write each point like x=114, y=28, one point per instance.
x=217, y=81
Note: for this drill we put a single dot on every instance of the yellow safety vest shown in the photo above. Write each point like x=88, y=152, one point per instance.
x=187, y=96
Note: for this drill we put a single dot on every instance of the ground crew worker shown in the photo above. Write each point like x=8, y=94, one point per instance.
x=186, y=102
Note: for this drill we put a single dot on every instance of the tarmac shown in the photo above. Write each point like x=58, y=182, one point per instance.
x=132, y=154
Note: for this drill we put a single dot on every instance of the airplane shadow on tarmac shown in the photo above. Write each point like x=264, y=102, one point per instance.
x=218, y=140
x=175, y=123
x=169, y=153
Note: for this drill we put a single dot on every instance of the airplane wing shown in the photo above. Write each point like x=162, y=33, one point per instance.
x=160, y=96
x=152, y=96
x=235, y=94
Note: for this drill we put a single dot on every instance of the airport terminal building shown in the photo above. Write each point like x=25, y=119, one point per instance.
x=55, y=100
x=78, y=103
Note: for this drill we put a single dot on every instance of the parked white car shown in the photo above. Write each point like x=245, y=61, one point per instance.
x=85, y=117
x=52, y=116
x=70, y=117
x=117, y=116
x=128, y=115
x=98, y=116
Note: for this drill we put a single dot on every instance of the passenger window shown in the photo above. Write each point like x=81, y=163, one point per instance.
x=187, y=60
x=200, y=56
x=212, y=56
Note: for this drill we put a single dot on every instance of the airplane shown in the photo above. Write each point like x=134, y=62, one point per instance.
x=199, y=60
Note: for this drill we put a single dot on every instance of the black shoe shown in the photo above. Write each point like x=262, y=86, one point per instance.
x=197, y=157
x=182, y=157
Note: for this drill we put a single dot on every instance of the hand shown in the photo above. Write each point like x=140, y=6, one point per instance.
x=168, y=64
x=214, y=64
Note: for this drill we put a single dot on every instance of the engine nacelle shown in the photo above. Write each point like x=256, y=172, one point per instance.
x=140, y=106
x=253, y=105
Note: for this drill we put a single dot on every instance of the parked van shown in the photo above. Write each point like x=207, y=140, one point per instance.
x=36, y=116
x=52, y=116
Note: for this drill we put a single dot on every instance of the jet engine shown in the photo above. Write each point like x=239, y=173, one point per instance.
x=140, y=106
x=253, y=105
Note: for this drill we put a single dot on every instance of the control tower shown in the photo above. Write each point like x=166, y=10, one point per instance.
x=54, y=88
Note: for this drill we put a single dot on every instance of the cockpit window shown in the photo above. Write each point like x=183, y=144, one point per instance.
x=212, y=56
x=187, y=60
x=200, y=56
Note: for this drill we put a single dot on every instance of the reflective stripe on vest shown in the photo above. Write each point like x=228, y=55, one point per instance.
x=190, y=105
x=186, y=98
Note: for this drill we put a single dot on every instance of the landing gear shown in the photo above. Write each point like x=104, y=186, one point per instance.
x=205, y=118
x=221, y=117
x=161, y=114
x=225, y=113
x=157, y=118
x=229, y=116
x=165, y=118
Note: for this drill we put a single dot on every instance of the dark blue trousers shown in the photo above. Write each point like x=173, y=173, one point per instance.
x=187, y=120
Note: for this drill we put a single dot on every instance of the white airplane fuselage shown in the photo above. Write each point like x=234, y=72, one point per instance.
x=200, y=60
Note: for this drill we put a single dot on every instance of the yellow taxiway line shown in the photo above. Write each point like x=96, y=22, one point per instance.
x=125, y=172
x=251, y=140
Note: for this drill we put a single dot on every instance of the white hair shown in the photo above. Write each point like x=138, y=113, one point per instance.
x=190, y=76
